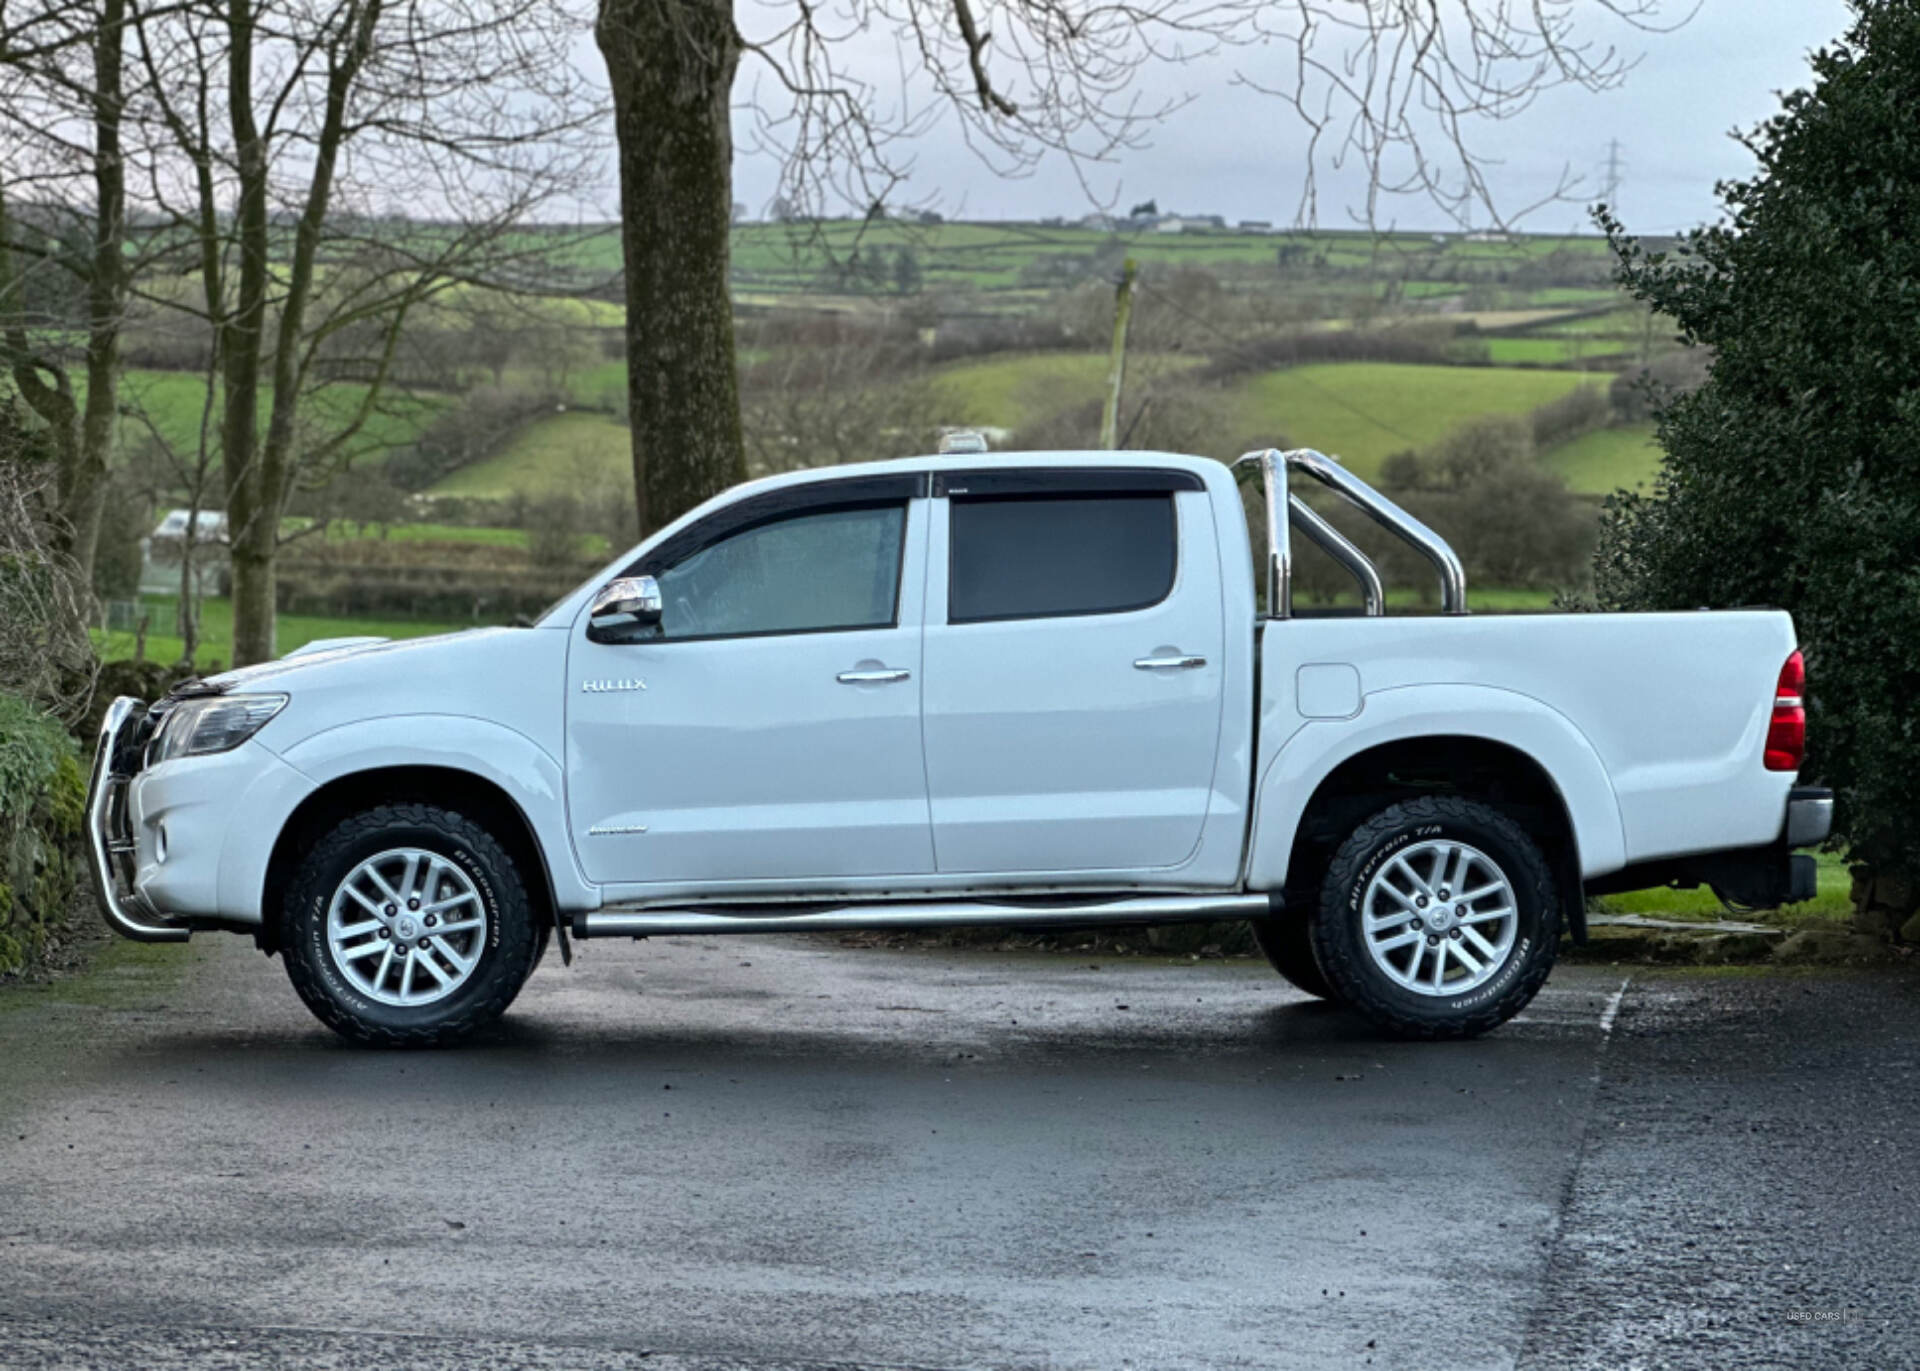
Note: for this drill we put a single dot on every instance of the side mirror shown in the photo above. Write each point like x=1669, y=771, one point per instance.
x=630, y=602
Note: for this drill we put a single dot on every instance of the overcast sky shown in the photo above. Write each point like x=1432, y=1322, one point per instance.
x=1238, y=153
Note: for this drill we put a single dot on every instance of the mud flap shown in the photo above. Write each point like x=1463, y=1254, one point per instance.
x=1762, y=878
x=1573, y=899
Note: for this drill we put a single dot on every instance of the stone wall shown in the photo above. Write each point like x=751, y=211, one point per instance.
x=1886, y=904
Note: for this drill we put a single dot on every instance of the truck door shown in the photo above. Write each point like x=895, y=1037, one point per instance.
x=770, y=727
x=1073, y=669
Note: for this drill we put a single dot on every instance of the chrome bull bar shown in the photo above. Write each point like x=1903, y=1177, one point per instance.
x=110, y=836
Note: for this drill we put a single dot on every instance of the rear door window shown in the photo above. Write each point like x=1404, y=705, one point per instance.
x=1051, y=556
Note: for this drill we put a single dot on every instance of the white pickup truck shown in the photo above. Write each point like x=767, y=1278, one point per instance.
x=1030, y=689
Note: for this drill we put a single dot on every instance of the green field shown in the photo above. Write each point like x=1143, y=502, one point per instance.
x=972, y=269
x=1012, y=390
x=1362, y=412
x=569, y=451
x=1625, y=324
x=1608, y=460
x=1011, y=259
x=1424, y=600
x=1541, y=304
x=1359, y=411
x=216, y=632
x=344, y=531
x=784, y=260
x=173, y=403
x=454, y=308
x=1548, y=350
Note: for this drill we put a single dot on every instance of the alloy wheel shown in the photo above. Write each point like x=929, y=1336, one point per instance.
x=1439, y=918
x=406, y=927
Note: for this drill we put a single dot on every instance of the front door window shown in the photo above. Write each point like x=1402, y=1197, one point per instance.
x=806, y=573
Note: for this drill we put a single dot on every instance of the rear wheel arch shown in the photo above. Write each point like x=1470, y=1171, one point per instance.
x=1472, y=767
x=461, y=792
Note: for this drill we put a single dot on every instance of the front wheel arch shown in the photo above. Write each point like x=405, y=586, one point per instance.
x=416, y=860
x=480, y=799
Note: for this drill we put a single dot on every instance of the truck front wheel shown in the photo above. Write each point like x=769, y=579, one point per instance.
x=407, y=925
x=1437, y=918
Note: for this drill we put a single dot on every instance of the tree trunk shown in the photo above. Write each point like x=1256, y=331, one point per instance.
x=85, y=489
x=254, y=583
x=83, y=431
x=186, y=614
x=253, y=534
x=670, y=64
x=253, y=523
x=42, y=383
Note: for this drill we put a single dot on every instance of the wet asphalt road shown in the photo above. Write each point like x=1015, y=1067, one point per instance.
x=775, y=1153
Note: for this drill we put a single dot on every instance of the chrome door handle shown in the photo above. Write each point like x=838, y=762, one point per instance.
x=1169, y=663
x=873, y=675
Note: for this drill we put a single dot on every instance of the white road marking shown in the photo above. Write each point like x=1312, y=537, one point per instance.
x=1612, y=1011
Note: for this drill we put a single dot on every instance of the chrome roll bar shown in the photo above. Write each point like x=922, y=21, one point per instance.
x=1273, y=466
x=1273, y=480
x=1339, y=547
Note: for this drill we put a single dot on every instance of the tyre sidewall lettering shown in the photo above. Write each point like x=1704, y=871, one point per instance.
x=1385, y=852
x=1516, y=960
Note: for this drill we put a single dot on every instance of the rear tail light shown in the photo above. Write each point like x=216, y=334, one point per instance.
x=1787, y=733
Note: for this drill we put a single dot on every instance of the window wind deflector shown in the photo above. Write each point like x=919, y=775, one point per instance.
x=1003, y=483
x=850, y=491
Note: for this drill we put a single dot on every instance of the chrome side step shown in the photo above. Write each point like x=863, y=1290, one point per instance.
x=1131, y=909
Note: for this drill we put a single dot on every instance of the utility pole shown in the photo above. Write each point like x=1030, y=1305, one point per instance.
x=1610, y=193
x=1117, y=368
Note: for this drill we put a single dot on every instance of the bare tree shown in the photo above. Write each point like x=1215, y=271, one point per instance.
x=1401, y=86
x=843, y=401
x=45, y=654
x=290, y=125
x=65, y=268
x=1396, y=84
x=188, y=469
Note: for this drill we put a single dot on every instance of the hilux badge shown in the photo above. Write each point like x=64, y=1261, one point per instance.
x=610, y=683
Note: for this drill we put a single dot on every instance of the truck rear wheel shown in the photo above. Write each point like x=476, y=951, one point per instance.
x=1287, y=941
x=408, y=925
x=1437, y=919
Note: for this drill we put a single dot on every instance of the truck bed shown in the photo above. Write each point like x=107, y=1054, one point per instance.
x=1652, y=725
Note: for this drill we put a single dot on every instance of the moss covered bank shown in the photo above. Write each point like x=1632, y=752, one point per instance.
x=42, y=812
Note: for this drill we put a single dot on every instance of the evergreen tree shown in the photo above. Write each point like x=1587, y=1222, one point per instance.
x=1792, y=476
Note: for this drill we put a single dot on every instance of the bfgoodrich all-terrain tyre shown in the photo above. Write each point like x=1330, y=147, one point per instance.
x=1437, y=918
x=1287, y=940
x=408, y=926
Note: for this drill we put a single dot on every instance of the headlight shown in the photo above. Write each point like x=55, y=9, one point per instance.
x=218, y=723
